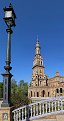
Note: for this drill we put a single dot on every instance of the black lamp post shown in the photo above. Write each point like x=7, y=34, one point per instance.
x=9, y=19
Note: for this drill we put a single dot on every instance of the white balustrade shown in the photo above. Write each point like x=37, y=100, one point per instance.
x=37, y=109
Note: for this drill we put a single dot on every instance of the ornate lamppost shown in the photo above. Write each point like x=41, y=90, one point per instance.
x=9, y=19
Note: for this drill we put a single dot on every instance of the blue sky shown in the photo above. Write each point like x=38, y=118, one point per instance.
x=44, y=18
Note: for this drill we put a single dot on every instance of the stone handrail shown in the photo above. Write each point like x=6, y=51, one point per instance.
x=39, y=109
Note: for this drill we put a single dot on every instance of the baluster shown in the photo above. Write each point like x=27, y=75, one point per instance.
x=14, y=116
x=52, y=106
x=46, y=107
x=58, y=105
x=22, y=114
x=40, y=108
x=61, y=105
x=19, y=115
x=36, y=109
x=49, y=107
x=25, y=112
x=31, y=110
x=55, y=105
x=28, y=111
x=43, y=108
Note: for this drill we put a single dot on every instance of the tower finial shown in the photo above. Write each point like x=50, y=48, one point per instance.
x=37, y=42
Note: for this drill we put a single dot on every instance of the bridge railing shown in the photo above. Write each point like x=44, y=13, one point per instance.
x=39, y=109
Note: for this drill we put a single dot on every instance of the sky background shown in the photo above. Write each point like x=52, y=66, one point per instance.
x=44, y=18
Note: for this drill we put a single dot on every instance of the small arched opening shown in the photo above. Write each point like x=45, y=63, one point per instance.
x=43, y=93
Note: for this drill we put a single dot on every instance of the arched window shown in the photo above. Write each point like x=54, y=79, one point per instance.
x=37, y=94
x=60, y=90
x=57, y=90
x=43, y=93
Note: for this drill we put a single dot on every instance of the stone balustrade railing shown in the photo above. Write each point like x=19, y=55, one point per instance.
x=39, y=109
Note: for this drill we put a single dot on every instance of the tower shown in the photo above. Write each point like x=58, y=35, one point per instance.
x=39, y=79
x=38, y=66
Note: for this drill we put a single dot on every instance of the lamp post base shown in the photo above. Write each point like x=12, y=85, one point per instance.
x=6, y=113
x=5, y=105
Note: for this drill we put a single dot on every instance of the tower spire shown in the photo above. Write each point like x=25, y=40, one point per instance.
x=37, y=46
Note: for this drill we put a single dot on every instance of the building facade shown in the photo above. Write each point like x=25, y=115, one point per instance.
x=41, y=86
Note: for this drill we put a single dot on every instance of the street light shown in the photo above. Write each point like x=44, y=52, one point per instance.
x=10, y=16
x=9, y=19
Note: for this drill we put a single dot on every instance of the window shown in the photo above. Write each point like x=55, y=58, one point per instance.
x=57, y=90
x=60, y=90
x=43, y=93
x=37, y=94
x=46, y=82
